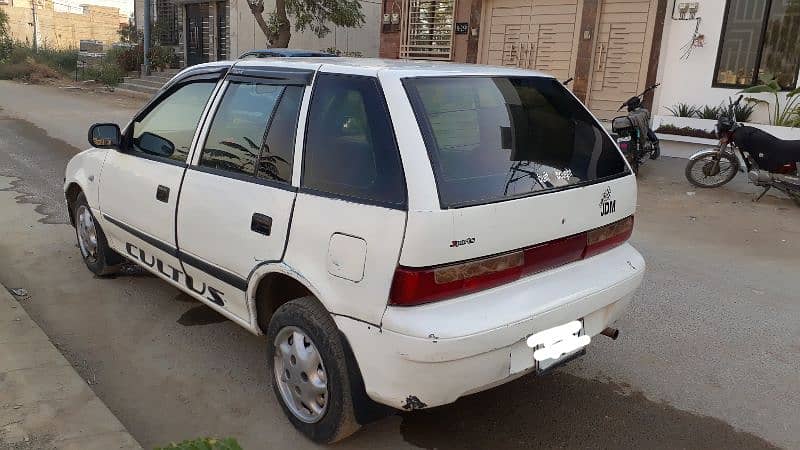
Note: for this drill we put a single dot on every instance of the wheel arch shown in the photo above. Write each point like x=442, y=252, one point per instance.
x=272, y=285
x=71, y=193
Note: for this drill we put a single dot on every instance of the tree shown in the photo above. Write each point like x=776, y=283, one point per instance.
x=128, y=33
x=6, y=43
x=314, y=15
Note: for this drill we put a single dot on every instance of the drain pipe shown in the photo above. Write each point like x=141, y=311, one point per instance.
x=613, y=333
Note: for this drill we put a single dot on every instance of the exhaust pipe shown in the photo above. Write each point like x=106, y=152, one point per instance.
x=613, y=333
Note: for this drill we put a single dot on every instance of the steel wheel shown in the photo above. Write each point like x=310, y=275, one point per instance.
x=712, y=170
x=87, y=232
x=300, y=374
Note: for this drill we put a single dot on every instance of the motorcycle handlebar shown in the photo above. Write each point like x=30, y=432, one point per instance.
x=736, y=103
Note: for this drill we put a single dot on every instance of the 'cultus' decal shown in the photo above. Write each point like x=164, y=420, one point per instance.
x=211, y=293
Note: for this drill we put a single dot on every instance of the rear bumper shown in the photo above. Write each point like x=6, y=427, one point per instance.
x=434, y=354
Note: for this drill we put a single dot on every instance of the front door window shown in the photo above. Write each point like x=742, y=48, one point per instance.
x=168, y=128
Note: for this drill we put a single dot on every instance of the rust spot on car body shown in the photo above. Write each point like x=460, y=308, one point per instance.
x=413, y=403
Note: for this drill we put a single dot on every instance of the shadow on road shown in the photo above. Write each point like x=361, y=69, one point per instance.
x=564, y=411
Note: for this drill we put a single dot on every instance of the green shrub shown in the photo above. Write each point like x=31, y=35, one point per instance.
x=204, y=444
x=708, y=112
x=6, y=44
x=128, y=59
x=108, y=74
x=743, y=111
x=62, y=60
x=683, y=110
x=161, y=57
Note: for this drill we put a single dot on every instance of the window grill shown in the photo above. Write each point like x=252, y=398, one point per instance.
x=167, y=22
x=427, y=29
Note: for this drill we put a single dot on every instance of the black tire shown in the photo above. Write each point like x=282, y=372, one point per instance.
x=103, y=261
x=708, y=166
x=307, y=315
x=634, y=161
x=656, y=150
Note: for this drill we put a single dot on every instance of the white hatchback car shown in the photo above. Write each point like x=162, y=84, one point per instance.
x=403, y=233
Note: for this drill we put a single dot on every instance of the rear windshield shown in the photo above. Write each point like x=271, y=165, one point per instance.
x=495, y=138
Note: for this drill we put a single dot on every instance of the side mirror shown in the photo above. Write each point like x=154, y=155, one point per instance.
x=155, y=144
x=105, y=135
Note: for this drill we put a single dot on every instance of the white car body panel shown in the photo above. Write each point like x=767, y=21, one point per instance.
x=346, y=253
x=315, y=221
x=85, y=170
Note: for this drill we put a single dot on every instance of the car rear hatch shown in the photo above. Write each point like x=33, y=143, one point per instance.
x=527, y=181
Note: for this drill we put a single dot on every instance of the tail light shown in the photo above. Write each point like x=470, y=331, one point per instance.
x=412, y=286
x=787, y=169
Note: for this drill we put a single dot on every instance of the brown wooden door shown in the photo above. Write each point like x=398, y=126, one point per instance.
x=621, y=54
x=532, y=34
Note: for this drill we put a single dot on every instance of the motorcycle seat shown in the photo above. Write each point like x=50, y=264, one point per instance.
x=769, y=151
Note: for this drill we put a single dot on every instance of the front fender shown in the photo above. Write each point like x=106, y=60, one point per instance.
x=713, y=151
x=84, y=170
x=704, y=152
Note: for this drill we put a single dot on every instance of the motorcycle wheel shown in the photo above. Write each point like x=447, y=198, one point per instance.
x=711, y=170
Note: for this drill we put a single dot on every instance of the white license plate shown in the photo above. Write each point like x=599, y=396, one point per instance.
x=558, y=344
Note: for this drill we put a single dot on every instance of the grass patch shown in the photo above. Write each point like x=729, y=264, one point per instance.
x=22, y=63
x=29, y=71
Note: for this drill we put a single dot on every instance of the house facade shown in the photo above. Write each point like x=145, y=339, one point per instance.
x=610, y=47
x=727, y=45
x=202, y=31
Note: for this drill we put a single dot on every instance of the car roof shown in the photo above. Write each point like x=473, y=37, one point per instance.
x=392, y=67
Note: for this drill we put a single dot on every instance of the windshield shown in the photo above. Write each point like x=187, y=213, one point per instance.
x=495, y=138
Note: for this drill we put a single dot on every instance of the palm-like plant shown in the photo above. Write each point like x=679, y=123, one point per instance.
x=708, y=112
x=683, y=110
x=786, y=114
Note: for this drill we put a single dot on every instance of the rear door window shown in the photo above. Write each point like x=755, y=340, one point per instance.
x=350, y=149
x=496, y=138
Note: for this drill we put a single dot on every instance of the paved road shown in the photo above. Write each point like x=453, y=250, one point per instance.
x=708, y=355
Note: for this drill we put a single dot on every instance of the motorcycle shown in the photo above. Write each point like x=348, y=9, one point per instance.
x=634, y=136
x=769, y=161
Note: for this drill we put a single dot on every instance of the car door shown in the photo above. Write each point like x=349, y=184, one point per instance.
x=237, y=196
x=139, y=184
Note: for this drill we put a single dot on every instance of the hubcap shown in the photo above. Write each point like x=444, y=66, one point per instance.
x=711, y=170
x=87, y=233
x=300, y=374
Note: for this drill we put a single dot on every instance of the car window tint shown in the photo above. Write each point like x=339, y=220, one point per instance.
x=237, y=131
x=277, y=154
x=174, y=120
x=495, y=138
x=350, y=148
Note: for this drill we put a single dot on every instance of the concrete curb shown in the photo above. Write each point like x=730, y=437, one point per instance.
x=44, y=403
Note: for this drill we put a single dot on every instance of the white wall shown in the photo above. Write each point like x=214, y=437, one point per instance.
x=245, y=34
x=689, y=80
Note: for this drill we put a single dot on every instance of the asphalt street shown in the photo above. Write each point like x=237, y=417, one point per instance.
x=708, y=357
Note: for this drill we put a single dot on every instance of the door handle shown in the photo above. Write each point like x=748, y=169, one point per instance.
x=261, y=224
x=162, y=193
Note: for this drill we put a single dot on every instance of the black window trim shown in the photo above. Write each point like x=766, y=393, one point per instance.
x=350, y=198
x=278, y=75
x=250, y=178
x=762, y=36
x=244, y=177
x=127, y=147
x=427, y=137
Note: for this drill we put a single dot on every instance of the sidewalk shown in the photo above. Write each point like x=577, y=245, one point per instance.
x=44, y=403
